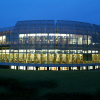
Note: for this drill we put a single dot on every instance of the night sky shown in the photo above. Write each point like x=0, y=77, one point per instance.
x=12, y=11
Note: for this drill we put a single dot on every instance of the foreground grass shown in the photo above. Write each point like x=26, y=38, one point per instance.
x=47, y=85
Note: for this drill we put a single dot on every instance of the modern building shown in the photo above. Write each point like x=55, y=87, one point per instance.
x=50, y=45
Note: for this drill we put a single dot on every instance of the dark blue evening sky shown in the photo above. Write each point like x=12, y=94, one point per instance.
x=12, y=11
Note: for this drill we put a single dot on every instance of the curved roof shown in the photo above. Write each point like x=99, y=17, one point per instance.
x=62, y=27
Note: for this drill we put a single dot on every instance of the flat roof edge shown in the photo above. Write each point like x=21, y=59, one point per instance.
x=6, y=29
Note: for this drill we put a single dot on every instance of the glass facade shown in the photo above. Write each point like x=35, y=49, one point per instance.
x=44, y=42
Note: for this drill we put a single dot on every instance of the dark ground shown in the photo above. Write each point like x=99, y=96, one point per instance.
x=49, y=85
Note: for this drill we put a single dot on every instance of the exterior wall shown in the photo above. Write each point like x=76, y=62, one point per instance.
x=64, y=44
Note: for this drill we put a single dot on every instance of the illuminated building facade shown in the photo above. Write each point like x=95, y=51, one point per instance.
x=50, y=45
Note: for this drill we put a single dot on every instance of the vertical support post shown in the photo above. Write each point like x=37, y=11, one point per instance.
x=48, y=55
x=26, y=67
x=86, y=67
x=16, y=67
x=93, y=67
x=78, y=68
x=60, y=58
x=9, y=55
x=36, y=68
x=58, y=68
x=69, y=68
x=41, y=58
x=13, y=58
x=23, y=58
x=54, y=58
x=47, y=68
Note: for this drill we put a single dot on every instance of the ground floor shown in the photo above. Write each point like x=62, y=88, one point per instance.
x=49, y=56
x=54, y=68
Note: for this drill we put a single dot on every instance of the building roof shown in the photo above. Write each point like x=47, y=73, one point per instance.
x=6, y=29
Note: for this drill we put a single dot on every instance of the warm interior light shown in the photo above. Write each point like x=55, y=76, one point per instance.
x=30, y=68
x=44, y=34
x=12, y=67
x=38, y=34
x=4, y=37
x=0, y=38
x=21, y=35
x=32, y=35
x=63, y=34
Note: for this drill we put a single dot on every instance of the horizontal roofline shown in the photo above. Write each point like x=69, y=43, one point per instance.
x=6, y=28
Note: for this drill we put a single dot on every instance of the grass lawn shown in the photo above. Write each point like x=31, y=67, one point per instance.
x=49, y=85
